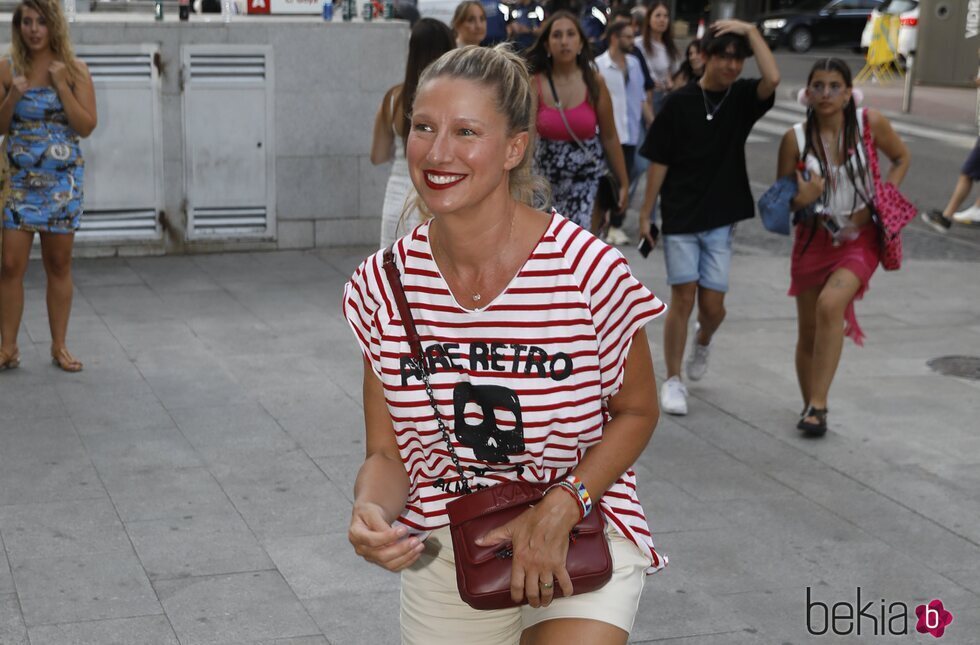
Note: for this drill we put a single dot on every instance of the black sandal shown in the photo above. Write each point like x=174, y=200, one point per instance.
x=817, y=429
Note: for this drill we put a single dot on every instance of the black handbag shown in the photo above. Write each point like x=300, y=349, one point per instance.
x=607, y=195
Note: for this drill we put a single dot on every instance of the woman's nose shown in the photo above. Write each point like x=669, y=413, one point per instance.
x=441, y=149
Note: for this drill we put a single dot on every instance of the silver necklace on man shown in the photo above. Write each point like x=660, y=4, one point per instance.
x=710, y=109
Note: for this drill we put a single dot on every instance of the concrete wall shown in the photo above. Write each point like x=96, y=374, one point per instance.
x=330, y=78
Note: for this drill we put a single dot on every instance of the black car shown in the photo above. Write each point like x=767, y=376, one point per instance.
x=837, y=22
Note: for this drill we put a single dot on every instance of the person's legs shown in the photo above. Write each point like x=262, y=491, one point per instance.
x=963, y=186
x=574, y=631
x=16, y=252
x=682, y=297
x=828, y=341
x=711, y=311
x=56, y=251
x=806, y=315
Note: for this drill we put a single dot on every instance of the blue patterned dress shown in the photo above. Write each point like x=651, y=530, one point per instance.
x=46, y=166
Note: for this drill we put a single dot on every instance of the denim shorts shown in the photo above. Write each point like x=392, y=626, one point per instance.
x=703, y=257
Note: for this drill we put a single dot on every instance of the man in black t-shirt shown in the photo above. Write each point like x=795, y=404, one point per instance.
x=697, y=149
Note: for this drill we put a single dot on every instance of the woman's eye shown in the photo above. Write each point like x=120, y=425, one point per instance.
x=421, y=127
x=466, y=132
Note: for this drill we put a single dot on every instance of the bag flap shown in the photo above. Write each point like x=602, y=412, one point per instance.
x=465, y=535
x=492, y=500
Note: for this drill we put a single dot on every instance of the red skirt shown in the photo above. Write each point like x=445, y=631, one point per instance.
x=815, y=258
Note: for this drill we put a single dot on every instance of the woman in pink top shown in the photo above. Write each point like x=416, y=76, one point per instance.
x=573, y=168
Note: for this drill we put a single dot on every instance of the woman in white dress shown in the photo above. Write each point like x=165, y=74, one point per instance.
x=430, y=39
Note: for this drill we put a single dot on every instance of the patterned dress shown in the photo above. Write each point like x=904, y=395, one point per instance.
x=45, y=166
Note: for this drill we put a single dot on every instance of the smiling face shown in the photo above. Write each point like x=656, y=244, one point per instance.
x=827, y=91
x=695, y=58
x=473, y=28
x=564, y=41
x=459, y=149
x=34, y=31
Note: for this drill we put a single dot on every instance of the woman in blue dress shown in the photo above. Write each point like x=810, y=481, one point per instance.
x=48, y=105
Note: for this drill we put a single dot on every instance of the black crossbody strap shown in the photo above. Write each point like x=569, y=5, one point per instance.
x=418, y=355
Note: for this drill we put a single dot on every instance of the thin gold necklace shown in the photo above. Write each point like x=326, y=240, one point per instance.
x=475, y=295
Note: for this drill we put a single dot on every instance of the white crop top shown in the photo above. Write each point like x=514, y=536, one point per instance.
x=839, y=200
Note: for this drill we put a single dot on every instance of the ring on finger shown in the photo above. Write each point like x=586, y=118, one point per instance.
x=547, y=585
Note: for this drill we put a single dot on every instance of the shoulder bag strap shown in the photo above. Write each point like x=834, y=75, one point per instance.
x=564, y=119
x=418, y=356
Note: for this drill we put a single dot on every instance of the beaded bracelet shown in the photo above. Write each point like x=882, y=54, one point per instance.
x=576, y=485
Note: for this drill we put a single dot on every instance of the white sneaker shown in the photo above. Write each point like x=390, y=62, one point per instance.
x=968, y=216
x=697, y=361
x=616, y=237
x=673, y=396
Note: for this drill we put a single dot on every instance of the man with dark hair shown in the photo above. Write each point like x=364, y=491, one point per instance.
x=697, y=150
x=631, y=101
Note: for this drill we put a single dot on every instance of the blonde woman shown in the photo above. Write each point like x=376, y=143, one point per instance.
x=575, y=374
x=48, y=104
x=469, y=23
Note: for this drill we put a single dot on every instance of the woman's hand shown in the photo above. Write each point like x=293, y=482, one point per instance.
x=624, y=197
x=18, y=87
x=539, y=537
x=808, y=191
x=59, y=74
x=376, y=541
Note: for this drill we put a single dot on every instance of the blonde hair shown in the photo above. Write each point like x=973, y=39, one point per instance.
x=58, y=38
x=501, y=69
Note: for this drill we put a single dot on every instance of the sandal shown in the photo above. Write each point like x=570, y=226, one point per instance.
x=63, y=359
x=811, y=429
x=9, y=361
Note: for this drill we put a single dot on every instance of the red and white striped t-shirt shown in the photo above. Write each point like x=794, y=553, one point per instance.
x=521, y=384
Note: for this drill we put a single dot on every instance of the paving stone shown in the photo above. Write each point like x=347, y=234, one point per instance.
x=142, y=450
x=55, y=478
x=145, y=630
x=357, y=617
x=324, y=565
x=62, y=529
x=672, y=607
x=207, y=542
x=228, y=433
x=12, y=629
x=164, y=494
x=83, y=587
x=240, y=607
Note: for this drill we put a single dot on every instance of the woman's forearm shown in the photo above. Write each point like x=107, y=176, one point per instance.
x=382, y=481
x=623, y=441
x=7, y=113
x=78, y=117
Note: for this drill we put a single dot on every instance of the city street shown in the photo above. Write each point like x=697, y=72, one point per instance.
x=193, y=484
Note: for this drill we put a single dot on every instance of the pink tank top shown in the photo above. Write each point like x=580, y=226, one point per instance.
x=581, y=118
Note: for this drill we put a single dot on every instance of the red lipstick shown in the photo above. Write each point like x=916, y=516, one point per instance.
x=435, y=173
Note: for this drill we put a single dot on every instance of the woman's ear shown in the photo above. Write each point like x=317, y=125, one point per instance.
x=516, y=149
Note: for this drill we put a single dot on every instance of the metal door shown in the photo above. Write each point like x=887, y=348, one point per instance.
x=124, y=155
x=229, y=152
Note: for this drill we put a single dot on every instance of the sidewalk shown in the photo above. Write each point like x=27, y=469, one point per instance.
x=193, y=484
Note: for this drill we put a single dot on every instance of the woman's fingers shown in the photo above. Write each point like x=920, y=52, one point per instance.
x=406, y=560
x=564, y=581
x=517, y=576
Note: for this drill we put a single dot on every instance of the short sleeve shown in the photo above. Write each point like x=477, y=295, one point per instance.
x=620, y=306
x=756, y=107
x=366, y=307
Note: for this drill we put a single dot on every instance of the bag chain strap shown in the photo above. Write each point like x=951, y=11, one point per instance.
x=418, y=358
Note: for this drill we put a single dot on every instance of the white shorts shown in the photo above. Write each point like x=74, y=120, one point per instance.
x=433, y=613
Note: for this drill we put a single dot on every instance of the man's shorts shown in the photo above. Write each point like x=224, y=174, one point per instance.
x=703, y=257
x=971, y=167
x=432, y=613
